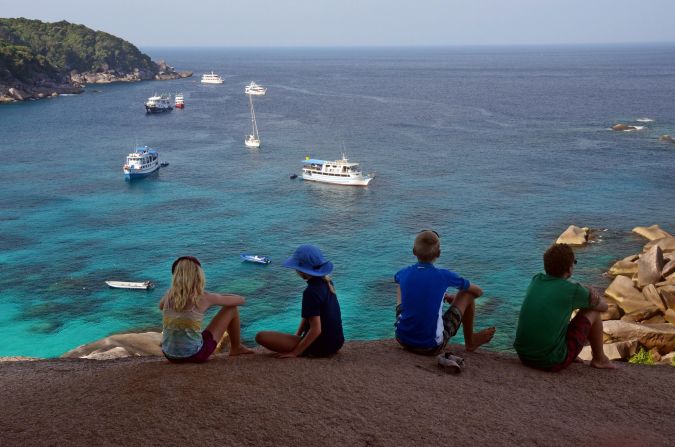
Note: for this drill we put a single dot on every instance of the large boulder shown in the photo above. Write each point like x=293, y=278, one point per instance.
x=653, y=296
x=650, y=266
x=668, y=295
x=626, y=268
x=660, y=336
x=651, y=233
x=641, y=314
x=669, y=316
x=624, y=293
x=620, y=350
x=620, y=127
x=573, y=236
x=613, y=312
x=667, y=244
x=120, y=345
x=668, y=269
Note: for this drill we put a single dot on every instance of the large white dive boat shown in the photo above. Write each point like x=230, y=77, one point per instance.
x=158, y=104
x=252, y=140
x=211, y=78
x=340, y=172
x=255, y=89
x=140, y=163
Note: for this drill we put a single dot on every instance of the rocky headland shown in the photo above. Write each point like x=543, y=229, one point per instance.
x=40, y=60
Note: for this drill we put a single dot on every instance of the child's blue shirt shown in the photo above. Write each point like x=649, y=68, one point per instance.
x=422, y=289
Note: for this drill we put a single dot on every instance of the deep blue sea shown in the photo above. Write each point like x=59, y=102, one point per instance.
x=497, y=149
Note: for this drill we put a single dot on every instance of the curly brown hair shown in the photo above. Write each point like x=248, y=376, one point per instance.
x=558, y=260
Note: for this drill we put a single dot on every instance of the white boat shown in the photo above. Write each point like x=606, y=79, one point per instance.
x=257, y=259
x=211, y=78
x=145, y=285
x=158, y=104
x=339, y=172
x=252, y=140
x=255, y=89
x=141, y=162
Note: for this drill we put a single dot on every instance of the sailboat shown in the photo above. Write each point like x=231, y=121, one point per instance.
x=252, y=140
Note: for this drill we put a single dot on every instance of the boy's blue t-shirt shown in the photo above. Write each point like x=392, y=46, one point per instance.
x=422, y=285
x=318, y=300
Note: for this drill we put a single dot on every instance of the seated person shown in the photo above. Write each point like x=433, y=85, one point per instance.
x=546, y=338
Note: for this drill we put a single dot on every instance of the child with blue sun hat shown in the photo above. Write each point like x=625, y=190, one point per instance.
x=320, y=331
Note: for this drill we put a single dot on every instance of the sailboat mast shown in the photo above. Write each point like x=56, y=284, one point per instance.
x=254, y=124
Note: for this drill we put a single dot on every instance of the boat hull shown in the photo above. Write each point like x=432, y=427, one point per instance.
x=145, y=285
x=133, y=174
x=345, y=181
x=180, y=106
x=150, y=109
x=252, y=143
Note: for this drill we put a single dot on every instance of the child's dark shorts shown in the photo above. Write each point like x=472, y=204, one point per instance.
x=201, y=356
x=452, y=319
x=577, y=335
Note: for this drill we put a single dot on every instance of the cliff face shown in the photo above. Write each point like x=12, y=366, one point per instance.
x=40, y=59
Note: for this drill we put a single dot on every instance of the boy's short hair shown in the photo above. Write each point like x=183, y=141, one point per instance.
x=558, y=259
x=427, y=246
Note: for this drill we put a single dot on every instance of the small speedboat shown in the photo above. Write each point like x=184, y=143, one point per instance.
x=164, y=164
x=145, y=285
x=293, y=176
x=255, y=258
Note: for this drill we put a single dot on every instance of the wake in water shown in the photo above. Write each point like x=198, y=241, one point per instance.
x=644, y=120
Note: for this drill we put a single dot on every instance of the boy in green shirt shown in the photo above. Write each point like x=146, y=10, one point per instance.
x=546, y=338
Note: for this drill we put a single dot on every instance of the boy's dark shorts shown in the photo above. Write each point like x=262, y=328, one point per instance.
x=208, y=346
x=452, y=319
x=576, y=337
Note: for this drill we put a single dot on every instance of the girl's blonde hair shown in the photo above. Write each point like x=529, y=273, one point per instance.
x=326, y=278
x=187, y=285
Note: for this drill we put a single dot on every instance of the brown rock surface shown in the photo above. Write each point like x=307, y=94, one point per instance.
x=622, y=291
x=641, y=314
x=668, y=295
x=625, y=268
x=115, y=346
x=613, y=312
x=668, y=269
x=620, y=350
x=651, y=233
x=573, y=236
x=652, y=295
x=669, y=316
x=370, y=394
x=660, y=336
x=667, y=244
x=650, y=266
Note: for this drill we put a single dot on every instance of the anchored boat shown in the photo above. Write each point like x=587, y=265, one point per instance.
x=211, y=78
x=142, y=162
x=145, y=285
x=158, y=104
x=255, y=258
x=255, y=89
x=252, y=140
x=339, y=172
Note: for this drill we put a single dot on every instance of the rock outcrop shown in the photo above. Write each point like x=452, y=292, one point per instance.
x=645, y=296
x=574, y=236
x=118, y=346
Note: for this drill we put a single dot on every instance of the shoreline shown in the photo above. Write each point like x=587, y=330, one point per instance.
x=371, y=393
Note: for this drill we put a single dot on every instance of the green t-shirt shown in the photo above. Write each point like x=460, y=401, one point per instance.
x=546, y=312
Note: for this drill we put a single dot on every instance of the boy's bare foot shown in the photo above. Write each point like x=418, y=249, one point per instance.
x=603, y=363
x=480, y=338
x=240, y=350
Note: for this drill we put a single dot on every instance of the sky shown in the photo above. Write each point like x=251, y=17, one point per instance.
x=310, y=23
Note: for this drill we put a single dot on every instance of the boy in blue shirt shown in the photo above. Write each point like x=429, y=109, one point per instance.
x=421, y=325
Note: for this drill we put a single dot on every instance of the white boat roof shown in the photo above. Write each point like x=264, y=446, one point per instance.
x=316, y=161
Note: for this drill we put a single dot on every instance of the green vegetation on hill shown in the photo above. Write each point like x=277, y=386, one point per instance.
x=31, y=50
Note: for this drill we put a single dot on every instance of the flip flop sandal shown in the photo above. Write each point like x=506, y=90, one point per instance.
x=448, y=364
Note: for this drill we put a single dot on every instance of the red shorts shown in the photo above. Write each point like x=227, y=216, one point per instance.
x=577, y=334
x=208, y=346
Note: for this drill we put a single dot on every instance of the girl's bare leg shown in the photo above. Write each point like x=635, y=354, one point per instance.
x=277, y=341
x=227, y=319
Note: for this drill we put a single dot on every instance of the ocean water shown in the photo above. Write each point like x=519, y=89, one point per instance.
x=498, y=149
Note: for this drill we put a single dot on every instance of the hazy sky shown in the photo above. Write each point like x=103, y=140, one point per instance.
x=361, y=22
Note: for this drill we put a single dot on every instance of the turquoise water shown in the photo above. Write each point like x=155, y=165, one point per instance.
x=497, y=149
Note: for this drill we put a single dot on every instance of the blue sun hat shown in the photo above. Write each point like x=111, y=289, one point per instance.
x=309, y=259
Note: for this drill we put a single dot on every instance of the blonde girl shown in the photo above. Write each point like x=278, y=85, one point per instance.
x=183, y=307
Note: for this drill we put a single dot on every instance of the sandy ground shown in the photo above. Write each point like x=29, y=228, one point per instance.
x=372, y=393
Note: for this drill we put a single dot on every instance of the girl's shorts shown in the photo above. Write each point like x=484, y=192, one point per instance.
x=208, y=346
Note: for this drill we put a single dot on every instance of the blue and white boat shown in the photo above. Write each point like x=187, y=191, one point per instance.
x=255, y=258
x=142, y=162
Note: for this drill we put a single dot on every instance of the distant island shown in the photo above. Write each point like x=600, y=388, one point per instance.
x=39, y=60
